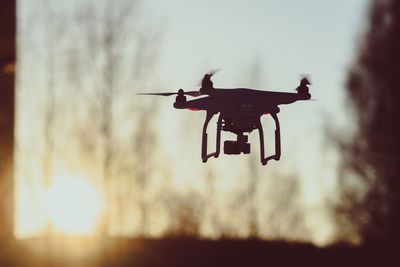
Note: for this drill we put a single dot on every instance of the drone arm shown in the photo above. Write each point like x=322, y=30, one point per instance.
x=277, y=155
x=204, y=155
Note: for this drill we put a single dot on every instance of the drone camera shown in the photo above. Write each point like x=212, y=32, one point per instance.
x=237, y=147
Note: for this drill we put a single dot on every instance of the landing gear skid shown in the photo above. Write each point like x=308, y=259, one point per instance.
x=277, y=156
x=204, y=155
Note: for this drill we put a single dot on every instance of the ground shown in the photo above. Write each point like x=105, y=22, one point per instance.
x=189, y=252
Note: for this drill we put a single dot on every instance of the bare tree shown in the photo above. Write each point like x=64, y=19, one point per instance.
x=86, y=85
x=144, y=142
x=117, y=53
x=252, y=199
x=285, y=217
x=49, y=116
x=370, y=184
x=255, y=78
x=212, y=204
x=185, y=214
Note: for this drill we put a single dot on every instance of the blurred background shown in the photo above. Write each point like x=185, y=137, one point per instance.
x=93, y=161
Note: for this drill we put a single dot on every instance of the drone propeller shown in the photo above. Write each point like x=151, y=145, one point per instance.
x=190, y=93
x=306, y=78
x=160, y=94
x=211, y=73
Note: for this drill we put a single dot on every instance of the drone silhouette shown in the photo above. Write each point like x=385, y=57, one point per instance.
x=240, y=111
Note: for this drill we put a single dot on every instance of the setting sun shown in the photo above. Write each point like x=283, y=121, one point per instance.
x=73, y=205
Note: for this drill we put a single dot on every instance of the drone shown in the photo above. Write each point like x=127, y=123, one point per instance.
x=240, y=111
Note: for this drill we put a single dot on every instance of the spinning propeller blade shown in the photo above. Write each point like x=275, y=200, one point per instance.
x=159, y=94
x=193, y=93
x=190, y=93
x=211, y=73
x=306, y=77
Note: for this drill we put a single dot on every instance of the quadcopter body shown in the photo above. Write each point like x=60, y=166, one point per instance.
x=240, y=111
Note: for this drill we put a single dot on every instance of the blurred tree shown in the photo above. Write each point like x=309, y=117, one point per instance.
x=371, y=158
x=7, y=103
x=115, y=57
x=144, y=139
x=83, y=90
x=211, y=203
x=49, y=116
x=285, y=214
x=255, y=81
x=252, y=196
x=52, y=36
x=185, y=214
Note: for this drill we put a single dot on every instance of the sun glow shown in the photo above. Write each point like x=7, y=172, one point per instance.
x=73, y=205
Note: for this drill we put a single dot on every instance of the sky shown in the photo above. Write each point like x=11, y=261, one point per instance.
x=285, y=39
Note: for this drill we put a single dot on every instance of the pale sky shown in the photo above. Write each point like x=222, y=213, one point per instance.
x=287, y=38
